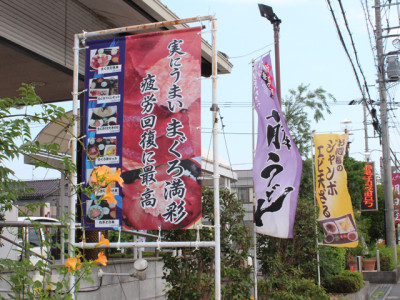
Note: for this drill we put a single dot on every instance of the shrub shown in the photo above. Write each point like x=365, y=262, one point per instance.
x=345, y=282
x=295, y=288
x=386, y=258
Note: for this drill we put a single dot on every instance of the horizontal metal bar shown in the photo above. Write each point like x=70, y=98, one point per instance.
x=142, y=26
x=22, y=247
x=30, y=224
x=193, y=244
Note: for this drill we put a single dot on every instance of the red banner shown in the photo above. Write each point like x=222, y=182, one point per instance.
x=161, y=136
x=396, y=188
x=370, y=199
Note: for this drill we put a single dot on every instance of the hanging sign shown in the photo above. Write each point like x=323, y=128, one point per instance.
x=370, y=199
x=396, y=188
x=143, y=117
x=336, y=212
x=277, y=163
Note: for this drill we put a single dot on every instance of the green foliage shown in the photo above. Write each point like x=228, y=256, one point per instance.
x=386, y=258
x=192, y=275
x=355, y=182
x=29, y=278
x=298, y=252
x=346, y=282
x=289, y=287
x=295, y=108
x=332, y=262
x=16, y=139
x=279, y=256
x=375, y=220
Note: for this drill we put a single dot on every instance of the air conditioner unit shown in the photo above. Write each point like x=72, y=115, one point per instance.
x=393, y=68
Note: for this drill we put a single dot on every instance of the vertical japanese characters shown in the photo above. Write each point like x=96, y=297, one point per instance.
x=370, y=200
x=336, y=212
x=175, y=189
x=277, y=163
x=161, y=158
x=396, y=188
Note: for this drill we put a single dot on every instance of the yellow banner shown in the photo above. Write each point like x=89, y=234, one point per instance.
x=336, y=212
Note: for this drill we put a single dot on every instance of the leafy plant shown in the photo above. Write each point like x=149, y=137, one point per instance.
x=31, y=278
x=290, y=287
x=191, y=276
x=296, y=107
x=346, y=282
x=386, y=258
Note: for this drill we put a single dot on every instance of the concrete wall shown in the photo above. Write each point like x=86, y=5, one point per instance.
x=124, y=287
x=117, y=287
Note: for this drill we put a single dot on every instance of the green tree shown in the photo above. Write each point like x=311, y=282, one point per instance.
x=191, y=276
x=375, y=220
x=296, y=108
x=16, y=141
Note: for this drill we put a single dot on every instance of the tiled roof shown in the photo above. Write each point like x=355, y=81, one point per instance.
x=42, y=188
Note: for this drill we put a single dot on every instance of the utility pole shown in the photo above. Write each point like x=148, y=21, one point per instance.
x=365, y=127
x=386, y=163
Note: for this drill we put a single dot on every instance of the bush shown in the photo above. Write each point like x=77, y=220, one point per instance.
x=386, y=258
x=295, y=288
x=345, y=282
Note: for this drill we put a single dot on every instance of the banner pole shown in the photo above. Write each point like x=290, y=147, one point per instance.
x=73, y=197
x=255, y=264
x=214, y=109
x=315, y=210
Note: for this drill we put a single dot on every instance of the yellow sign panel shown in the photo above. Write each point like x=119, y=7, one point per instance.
x=336, y=212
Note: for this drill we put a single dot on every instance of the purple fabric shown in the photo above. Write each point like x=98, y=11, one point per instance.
x=277, y=163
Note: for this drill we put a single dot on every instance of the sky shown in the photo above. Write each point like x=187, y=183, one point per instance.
x=310, y=54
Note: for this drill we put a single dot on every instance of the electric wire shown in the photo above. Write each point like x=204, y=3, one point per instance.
x=377, y=128
x=367, y=23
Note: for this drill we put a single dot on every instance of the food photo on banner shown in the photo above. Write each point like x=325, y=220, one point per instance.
x=277, y=163
x=336, y=212
x=142, y=113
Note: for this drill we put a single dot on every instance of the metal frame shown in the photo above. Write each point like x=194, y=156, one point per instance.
x=214, y=108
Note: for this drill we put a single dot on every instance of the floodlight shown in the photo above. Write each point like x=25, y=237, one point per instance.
x=267, y=12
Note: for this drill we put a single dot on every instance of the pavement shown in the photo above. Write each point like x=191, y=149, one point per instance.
x=380, y=291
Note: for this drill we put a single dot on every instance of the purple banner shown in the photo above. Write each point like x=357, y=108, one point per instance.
x=277, y=163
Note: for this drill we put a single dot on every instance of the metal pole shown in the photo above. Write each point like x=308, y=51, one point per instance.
x=214, y=109
x=386, y=164
x=365, y=128
x=277, y=60
x=315, y=212
x=255, y=264
x=72, y=208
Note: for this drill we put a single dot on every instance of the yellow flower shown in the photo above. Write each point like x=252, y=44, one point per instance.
x=102, y=259
x=103, y=175
x=103, y=241
x=73, y=264
x=109, y=196
x=251, y=298
x=50, y=287
x=100, y=175
x=116, y=177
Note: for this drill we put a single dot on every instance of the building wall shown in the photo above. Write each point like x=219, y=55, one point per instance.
x=114, y=286
x=47, y=27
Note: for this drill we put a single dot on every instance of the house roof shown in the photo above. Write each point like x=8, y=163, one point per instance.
x=42, y=188
x=37, y=47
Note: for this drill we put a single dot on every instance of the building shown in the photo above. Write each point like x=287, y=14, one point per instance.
x=243, y=188
x=36, y=40
x=51, y=192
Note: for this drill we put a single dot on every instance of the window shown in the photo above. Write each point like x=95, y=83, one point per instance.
x=243, y=194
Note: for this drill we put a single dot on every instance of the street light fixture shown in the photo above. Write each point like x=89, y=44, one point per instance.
x=268, y=13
